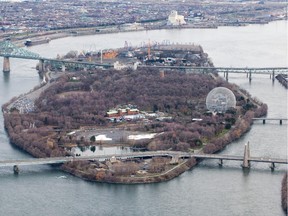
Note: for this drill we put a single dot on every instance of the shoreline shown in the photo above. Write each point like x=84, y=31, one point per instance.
x=157, y=178
x=76, y=32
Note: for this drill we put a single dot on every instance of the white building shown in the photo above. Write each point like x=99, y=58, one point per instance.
x=175, y=19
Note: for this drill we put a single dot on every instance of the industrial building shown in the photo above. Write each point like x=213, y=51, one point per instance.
x=175, y=19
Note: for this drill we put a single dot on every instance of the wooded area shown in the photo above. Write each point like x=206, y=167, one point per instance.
x=82, y=99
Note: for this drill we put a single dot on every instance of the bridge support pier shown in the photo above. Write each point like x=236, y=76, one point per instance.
x=273, y=76
x=246, y=162
x=16, y=169
x=250, y=75
x=220, y=162
x=41, y=67
x=6, y=65
x=227, y=76
x=175, y=159
x=63, y=68
x=280, y=121
x=272, y=166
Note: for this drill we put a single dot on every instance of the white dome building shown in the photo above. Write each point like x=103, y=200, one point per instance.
x=220, y=99
x=175, y=19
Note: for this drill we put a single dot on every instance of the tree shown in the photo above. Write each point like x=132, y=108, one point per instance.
x=92, y=138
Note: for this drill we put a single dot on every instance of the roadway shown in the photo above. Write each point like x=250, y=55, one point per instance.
x=9, y=50
x=59, y=160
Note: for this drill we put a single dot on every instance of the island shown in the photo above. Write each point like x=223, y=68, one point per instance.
x=140, y=109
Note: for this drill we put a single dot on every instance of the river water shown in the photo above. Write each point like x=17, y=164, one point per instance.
x=206, y=189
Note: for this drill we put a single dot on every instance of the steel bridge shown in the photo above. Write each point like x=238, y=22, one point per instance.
x=9, y=50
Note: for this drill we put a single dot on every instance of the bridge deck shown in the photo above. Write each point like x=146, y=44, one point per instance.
x=10, y=50
x=240, y=158
x=59, y=160
x=264, y=70
x=284, y=119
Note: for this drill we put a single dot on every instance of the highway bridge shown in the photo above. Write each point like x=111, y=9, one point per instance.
x=59, y=160
x=270, y=119
x=245, y=159
x=271, y=71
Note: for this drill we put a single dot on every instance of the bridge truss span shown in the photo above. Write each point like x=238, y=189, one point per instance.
x=9, y=50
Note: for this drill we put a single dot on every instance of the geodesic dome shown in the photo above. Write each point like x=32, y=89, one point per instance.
x=220, y=99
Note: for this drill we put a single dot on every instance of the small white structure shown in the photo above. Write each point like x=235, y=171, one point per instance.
x=102, y=137
x=118, y=66
x=175, y=19
x=113, y=159
x=142, y=136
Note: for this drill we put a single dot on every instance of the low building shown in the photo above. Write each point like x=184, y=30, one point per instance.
x=122, y=112
x=118, y=66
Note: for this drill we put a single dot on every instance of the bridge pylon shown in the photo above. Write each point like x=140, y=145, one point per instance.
x=250, y=75
x=246, y=162
x=41, y=66
x=6, y=65
x=16, y=169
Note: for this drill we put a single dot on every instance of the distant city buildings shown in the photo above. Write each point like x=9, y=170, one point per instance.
x=50, y=15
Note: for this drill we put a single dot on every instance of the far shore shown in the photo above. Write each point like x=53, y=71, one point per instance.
x=19, y=39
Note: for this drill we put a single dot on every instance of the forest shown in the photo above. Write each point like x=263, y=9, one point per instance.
x=81, y=99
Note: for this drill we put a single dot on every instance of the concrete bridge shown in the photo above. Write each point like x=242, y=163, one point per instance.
x=9, y=50
x=271, y=71
x=246, y=159
x=270, y=119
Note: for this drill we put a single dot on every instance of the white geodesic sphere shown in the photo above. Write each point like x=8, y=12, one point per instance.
x=220, y=99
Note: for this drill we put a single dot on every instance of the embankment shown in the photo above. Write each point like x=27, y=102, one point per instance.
x=282, y=78
x=134, y=179
x=284, y=199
